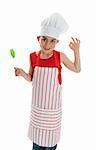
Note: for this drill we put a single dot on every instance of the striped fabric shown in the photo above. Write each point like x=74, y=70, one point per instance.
x=48, y=119
x=46, y=107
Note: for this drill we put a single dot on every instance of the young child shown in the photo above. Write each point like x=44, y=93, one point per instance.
x=45, y=74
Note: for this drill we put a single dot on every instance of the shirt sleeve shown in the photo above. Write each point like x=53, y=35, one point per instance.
x=30, y=59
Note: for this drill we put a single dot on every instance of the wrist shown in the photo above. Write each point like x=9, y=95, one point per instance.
x=76, y=51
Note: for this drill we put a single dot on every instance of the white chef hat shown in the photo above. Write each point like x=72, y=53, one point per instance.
x=53, y=26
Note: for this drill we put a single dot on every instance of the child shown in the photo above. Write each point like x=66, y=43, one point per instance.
x=45, y=74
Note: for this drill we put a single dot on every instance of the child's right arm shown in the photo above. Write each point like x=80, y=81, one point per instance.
x=21, y=72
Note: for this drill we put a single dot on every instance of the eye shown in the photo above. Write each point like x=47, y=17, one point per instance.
x=52, y=41
x=44, y=39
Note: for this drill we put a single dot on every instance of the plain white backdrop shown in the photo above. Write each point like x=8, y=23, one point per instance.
x=19, y=25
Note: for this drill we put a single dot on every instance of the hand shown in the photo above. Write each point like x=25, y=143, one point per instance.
x=75, y=44
x=18, y=71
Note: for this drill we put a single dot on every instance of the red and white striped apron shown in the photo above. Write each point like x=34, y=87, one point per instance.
x=46, y=106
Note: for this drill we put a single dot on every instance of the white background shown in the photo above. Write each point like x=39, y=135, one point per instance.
x=19, y=25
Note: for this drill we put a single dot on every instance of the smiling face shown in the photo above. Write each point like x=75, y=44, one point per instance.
x=47, y=43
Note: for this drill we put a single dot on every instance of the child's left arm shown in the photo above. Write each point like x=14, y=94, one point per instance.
x=74, y=66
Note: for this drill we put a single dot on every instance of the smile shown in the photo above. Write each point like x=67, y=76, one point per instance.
x=46, y=48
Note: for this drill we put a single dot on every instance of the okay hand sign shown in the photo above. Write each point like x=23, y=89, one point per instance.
x=74, y=44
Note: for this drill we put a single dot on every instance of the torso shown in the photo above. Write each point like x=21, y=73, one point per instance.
x=54, y=60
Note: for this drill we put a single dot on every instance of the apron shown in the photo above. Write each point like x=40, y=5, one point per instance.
x=46, y=107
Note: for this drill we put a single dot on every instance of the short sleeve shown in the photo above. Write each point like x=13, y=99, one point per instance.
x=33, y=59
x=30, y=59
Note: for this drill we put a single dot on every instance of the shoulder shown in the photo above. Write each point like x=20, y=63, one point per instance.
x=63, y=57
x=31, y=54
x=60, y=55
x=32, y=57
x=35, y=53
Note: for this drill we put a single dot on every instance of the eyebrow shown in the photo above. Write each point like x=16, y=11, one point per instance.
x=46, y=38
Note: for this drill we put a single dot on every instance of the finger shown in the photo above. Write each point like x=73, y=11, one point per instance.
x=15, y=68
x=73, y=39
x=71, y=43
x=77, y=40
x=17, y=72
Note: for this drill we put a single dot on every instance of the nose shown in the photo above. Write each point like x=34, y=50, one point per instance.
x=47, y=45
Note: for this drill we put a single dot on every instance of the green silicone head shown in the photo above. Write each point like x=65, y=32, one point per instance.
x=12, y=53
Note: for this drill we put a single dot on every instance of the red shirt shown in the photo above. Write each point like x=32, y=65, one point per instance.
x=53, y=61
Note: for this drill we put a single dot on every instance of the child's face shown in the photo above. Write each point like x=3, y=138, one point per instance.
x=47, y=43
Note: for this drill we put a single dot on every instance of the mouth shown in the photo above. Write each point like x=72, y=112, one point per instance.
x=46, y=48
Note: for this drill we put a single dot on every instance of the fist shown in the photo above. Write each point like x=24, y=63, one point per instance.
x=18, y=71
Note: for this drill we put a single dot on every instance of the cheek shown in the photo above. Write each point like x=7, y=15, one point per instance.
x=53, y=45
x=41, y=43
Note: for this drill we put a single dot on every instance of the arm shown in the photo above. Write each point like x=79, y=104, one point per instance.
x=21, y=72
x=74, y=66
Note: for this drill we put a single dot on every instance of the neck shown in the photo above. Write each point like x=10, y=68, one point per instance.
x=47, y=53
